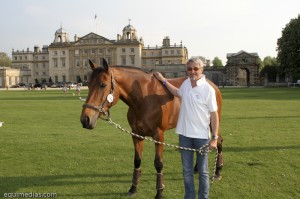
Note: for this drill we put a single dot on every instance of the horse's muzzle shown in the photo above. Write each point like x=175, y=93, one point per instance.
x=86, y=122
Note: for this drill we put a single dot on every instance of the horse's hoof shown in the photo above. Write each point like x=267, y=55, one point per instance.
x=130, y=194
x=159, y=195
x=132, y=191
x=217, y=178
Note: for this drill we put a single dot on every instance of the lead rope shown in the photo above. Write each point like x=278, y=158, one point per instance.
x=202, y=150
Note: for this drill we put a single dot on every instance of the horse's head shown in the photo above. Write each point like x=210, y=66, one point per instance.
x=100, y=97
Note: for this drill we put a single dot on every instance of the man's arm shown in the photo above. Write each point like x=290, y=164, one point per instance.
x=214, y=122
x=169, y=86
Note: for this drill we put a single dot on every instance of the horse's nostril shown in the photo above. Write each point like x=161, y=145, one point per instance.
x=85, y=122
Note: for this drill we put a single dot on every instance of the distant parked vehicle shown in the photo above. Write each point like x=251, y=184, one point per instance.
x=84, y=83
x=71, y=84
x=19, y=85
x=37, y=85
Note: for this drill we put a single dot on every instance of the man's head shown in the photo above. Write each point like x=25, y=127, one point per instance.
x=195, y=68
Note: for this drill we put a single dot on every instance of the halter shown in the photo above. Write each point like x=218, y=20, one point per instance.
x=109, y=99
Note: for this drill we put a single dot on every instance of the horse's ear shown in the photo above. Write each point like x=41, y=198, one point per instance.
x=92, y=65
x=105, y=65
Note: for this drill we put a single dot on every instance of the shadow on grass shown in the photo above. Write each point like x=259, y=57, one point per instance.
x=259, y=148
x=14, y=184
x=263, y=117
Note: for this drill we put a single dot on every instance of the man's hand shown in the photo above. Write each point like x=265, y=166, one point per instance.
x=159, y=76
x=213, y=144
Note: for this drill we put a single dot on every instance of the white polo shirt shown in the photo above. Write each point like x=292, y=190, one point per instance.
x=196, y=105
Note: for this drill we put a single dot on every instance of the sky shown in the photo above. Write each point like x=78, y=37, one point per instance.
x=208, y=28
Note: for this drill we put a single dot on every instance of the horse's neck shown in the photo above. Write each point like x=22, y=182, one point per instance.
x=129, y=83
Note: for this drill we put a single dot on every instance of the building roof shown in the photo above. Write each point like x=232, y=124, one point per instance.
x=128, y=27
x=239, y=53
x=61, y=30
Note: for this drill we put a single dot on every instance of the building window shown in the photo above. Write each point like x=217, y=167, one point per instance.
x=85, y=78
x=84, y=52
x=63, y=53
x=100, y=60
x=16, y=58
x=132, y=60
x=108, y=60
x=92, y=51
x=54, y=53
x=108, y=51
x=178, y=52
x=55, y=63
x=77, y=63
x=152, y=62
x=20, y=58
x=166, y=52
x=64, y=78
x=100, y=50
x=132, y=50
x=84, y=63
x=56, y=78
x=76, y=52
x=172, y=52
x=123, y=58
x=63, y=62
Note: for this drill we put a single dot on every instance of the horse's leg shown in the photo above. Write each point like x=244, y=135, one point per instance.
x=158, y=163
x=138, y=148
x=220, y=160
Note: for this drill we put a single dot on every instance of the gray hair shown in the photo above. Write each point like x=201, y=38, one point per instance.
x=196, y=60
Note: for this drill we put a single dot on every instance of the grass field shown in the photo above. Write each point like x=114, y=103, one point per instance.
x=44, y=149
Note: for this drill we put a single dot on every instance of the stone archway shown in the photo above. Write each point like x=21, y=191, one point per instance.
x=243, y=77
x=242, y=69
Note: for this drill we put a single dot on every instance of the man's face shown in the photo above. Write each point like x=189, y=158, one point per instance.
x=194, y=71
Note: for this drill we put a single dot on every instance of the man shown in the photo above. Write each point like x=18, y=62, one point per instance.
x=198, y=112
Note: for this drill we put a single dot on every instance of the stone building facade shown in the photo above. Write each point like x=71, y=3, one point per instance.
x=67, y=61
x=242, y=69
x=10, y=76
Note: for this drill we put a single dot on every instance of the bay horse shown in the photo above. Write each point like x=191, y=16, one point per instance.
x=152, y=109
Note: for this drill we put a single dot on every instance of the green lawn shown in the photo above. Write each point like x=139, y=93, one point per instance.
x=43, y=148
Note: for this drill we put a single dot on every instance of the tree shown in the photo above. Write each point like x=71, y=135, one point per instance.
x=289, y=49
x=4, y=59
x=270, y=66
x=217, y=62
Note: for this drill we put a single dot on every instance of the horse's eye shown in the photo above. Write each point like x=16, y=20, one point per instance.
x=102, y=85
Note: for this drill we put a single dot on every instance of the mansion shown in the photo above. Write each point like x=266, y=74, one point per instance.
x=67, y=61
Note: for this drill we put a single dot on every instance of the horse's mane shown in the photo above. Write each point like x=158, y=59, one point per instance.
x=131, y=67
x=100, y=69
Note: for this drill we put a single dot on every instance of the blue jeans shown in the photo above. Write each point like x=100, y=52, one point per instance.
x=187, y=158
